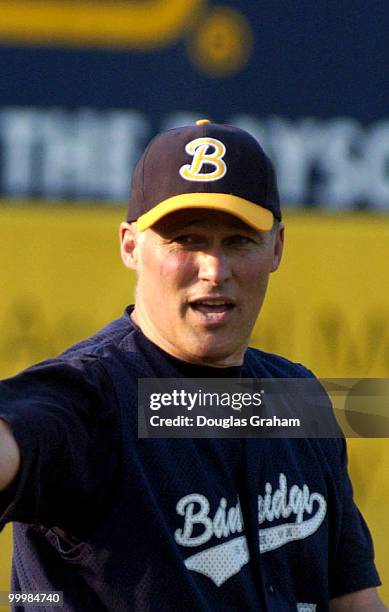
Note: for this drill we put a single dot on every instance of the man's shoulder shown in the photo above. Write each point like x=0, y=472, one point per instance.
x=117, y=351
x=115, y=336
x=85, y=369
x=260, y=363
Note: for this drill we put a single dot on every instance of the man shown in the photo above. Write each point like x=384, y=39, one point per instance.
x=118, y=522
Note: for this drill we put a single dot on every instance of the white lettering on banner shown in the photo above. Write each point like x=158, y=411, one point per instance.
x=341, y=164
x=81, y=154
x=222, y=561
x=86, y=153
x=18, y=134
x=377, y=159
x=336, y=163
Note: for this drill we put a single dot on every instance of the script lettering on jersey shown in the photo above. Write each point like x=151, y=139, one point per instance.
x=277, y=503
x=218, y=562
x=226, y=559
x=224, y=523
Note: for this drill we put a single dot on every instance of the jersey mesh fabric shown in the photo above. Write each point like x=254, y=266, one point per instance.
x=117, y=522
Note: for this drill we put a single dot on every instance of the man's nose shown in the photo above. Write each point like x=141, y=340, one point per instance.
x=214, y=267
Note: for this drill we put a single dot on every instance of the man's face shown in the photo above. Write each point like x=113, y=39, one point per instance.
x=202, y=278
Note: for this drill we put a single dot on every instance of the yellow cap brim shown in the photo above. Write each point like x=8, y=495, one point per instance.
x=254, y=215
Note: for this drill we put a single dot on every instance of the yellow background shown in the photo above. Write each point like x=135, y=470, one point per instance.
x=327, y=307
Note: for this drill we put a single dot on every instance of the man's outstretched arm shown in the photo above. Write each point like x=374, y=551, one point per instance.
x=366, y=600
x=9, y=456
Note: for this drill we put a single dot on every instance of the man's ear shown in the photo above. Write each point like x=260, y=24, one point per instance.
x=278, y=246
x=129, y=245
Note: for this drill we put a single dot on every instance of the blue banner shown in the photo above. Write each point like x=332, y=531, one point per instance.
x=84, y=85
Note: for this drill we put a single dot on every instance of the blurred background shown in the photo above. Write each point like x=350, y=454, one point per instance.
x=85, y=84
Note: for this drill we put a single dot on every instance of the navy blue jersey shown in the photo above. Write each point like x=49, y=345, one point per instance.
x=128, y=524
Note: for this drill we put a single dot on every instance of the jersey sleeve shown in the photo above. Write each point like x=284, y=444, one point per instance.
x=354, y=567
x=63, y=416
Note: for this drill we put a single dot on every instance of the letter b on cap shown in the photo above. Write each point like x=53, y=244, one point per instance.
x=199, y=149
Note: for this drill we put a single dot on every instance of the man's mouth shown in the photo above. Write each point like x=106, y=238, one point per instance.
x=211, y=306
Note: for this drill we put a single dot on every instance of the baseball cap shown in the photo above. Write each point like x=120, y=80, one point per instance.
x=206, y=165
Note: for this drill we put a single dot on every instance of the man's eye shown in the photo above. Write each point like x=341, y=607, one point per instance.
x=240, y=240
x=187, y=239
